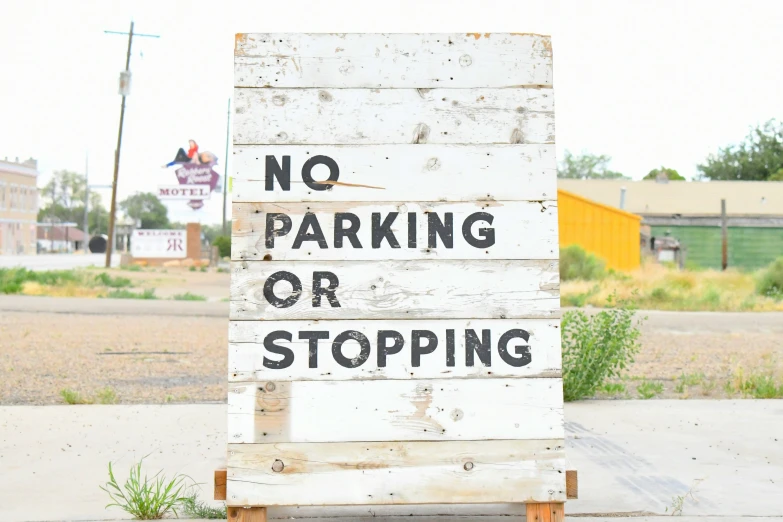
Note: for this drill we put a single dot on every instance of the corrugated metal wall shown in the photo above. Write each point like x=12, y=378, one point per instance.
x=607, y=232
x=750, y=248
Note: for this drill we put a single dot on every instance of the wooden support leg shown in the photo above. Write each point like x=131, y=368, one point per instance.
x=253, y=514
x=554, y=512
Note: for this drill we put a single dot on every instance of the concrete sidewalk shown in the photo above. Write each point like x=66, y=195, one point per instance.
x=634, y=459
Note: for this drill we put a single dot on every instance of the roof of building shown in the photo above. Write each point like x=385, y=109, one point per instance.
x=686, y=198
x=28, y=167
x=57, y=233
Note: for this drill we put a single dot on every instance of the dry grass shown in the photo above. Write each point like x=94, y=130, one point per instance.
x=657, y=287
x=66, y=290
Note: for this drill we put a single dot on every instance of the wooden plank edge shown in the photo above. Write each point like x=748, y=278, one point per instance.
x=221, y=478
x=572, y=484
x=546, y=512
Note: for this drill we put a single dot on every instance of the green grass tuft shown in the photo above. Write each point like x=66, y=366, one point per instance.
x=187, y=296
x=72, y=397
x=147, y=498
x=648, y=389
x=149, y=293
x=107, y=396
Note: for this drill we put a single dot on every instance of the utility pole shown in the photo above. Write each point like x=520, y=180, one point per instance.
x=124, y=90
x=724, y=232
x=86, y=201
x=225, y=166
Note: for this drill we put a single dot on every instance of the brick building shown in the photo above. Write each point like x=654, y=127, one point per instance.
x=18, y=206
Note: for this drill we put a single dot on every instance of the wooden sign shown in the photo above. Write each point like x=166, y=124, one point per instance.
x=394, y=333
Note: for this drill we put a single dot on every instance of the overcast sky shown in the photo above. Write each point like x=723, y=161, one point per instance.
x=649, y=83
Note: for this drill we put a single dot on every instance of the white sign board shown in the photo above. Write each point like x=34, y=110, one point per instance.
x=395, y=300
x=179, y=192
x=159, y=243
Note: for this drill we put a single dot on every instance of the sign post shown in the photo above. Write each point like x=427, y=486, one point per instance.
x=394, y=335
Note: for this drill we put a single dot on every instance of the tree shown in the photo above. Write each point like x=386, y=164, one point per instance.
x=146, y=207
x=63, y=198
x=587, y=166
x=758, y=158
x=98, y=216
x=671, y=174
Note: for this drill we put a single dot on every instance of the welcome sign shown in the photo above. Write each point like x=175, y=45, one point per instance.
x=394, y=334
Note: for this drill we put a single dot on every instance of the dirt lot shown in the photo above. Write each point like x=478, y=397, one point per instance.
x=161, y=358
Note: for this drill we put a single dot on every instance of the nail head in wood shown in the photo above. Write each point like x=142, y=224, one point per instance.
x=468, y=466
x=270, y=386
x=277, y=466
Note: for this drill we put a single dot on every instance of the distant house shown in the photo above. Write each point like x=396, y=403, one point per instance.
x=690, y=211
x=18, y=206
x=58, y=238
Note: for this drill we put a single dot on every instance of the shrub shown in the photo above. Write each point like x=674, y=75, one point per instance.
x=577, y=263
x=146, y=498
x=224, y=245
x=12, y=280
x=770, y=283
x=149, y=293
x=112, y=282
x=597, y=348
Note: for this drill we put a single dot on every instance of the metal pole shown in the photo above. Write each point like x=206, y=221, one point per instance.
x=113, y=210
x=225, y=166
x=86, y=201
x=724, y=235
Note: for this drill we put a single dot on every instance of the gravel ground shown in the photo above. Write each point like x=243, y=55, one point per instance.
x=157, y=359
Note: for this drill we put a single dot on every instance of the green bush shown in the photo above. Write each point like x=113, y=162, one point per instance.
x=224, y=245
x=149, y=293
x=577, y=263
x=12, y=280
x=187, y=296
x=770, y=283
x=597, y=348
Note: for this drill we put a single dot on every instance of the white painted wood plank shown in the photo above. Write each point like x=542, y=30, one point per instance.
x=454, y=356
x=396, y=473
x=402, y=290
x=388, y=116
x=480, y=230
x=404, y=173
x=384, y=410
x=455, y=60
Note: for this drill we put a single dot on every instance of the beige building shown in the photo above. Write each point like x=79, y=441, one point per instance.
x=18, y=206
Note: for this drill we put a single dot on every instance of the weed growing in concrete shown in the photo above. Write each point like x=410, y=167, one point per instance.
x=597, y=348
x=146, y=498
x=187, y=296
x=107, y=396
x=648, y=389
x=193, y=507
x=72, y=397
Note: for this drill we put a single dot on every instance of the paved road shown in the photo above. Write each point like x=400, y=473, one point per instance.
x=633, y=458
x=57, y=261
x=674, y=322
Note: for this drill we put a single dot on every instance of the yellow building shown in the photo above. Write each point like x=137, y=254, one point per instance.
x=18, y=206
x=610, y=233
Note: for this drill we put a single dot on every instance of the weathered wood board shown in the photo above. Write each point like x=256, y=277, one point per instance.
x=395, y=290
x=398, y=173
x=488, y=348
x=399, y=472
x=313, y=116
x=394, y=334
x=436, y=409
x=392, y=60
x=400, y=230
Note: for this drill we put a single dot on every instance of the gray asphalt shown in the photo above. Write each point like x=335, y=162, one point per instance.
x=684, y=322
